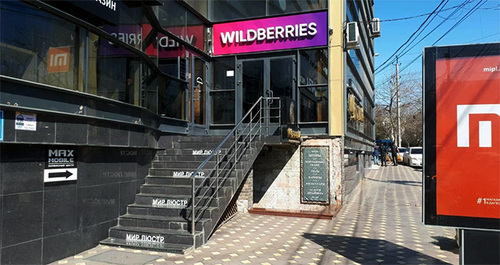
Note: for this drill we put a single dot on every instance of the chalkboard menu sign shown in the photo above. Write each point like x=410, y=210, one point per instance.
x=314, y=174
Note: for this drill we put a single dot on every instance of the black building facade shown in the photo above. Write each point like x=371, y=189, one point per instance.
x=91, y=91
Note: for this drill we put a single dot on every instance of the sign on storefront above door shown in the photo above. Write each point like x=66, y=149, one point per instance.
x=278, y=33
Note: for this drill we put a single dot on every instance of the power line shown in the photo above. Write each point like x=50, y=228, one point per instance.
x=474, y=9
x=421, y=15
x=440, y=6
x=436, y=27
x=467, y=15
x=496, y=7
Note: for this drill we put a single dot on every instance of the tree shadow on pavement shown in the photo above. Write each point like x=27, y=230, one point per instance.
x=402, y=182
x=371, y=251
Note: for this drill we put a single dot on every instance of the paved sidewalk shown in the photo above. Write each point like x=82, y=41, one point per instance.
x=380, y=225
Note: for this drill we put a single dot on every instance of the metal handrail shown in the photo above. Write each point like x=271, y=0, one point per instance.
x=248, y=131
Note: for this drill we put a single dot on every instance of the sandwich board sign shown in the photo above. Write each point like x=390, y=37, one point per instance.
x=462, y=136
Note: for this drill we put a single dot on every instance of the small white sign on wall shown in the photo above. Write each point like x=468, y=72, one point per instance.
x=25, y=121
x=60, y=174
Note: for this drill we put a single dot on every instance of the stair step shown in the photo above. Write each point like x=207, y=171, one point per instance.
x=179, y=172
x=162, y=222
x=162, y=247
x=196, y=152
x=196, y=158
x=137, y=209
x=172, y=201
x=199, y=145
x=180, y=190
x=153, y=235
x=187, y=172
x=185, y=181
x=181, y=164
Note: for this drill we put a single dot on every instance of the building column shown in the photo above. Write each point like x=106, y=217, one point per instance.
x=336, y=61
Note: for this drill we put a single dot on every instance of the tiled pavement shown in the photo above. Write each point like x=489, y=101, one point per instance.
x=380, y=225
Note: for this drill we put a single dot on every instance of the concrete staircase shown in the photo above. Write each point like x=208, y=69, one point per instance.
x=160, y=218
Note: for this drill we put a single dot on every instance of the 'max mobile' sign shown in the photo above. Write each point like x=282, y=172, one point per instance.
x=298, y=31
x=462, y=136
x=60, y=165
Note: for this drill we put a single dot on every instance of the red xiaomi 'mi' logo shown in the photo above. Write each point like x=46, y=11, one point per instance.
x=58, y=61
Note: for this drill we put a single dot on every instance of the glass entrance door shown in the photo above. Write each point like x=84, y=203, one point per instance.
x=268, y=77
x=197, y=84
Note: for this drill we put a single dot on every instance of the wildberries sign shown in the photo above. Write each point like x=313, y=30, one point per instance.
x=298, y=31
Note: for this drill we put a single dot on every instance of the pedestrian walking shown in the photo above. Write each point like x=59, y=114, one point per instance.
x=394, y=151
x=376, y=154
x=383, y=155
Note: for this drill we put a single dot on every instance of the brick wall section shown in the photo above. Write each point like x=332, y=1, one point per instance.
x=245, y=198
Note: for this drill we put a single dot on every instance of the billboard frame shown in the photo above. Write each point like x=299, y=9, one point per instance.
x=429, y=191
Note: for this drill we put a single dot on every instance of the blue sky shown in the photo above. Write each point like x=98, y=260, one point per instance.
x=481, y=26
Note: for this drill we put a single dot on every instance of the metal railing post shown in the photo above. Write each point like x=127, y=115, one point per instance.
x=217, y=166
x=193, y=214
x=236, y=145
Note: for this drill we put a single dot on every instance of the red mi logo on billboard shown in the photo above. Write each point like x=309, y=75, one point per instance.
x=468, y=136
x=58, y=60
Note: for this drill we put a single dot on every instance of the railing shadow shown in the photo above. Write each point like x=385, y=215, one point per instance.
x=371, y=251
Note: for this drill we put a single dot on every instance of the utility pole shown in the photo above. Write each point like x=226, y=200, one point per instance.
x=398, y=113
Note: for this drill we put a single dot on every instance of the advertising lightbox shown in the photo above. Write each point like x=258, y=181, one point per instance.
x=462, y=136
x=266, y=34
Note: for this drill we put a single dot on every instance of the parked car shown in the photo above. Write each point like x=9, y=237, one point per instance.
x=413, y=157
x=401, y=152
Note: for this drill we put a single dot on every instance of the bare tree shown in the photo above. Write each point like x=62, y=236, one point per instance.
x=410, y=108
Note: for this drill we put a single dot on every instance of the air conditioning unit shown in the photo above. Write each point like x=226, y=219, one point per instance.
x=352, y=40
x=375, y=27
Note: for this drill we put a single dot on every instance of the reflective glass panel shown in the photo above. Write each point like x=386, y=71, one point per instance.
x=40, y=47
x=314, y=104
x=223, y=108
x=276, y=7
x=224, y=74
x=113, y=73
x=237, y=9
x=313, y=67
x=172, y=98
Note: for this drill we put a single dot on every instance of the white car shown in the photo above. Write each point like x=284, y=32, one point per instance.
x=413, y=157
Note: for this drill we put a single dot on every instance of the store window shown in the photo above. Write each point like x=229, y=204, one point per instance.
x=113, y=72
x=313, y=86
x=314, y=104
x=276, y=7
x=182, y=23
x=236, y=9
x=40, y=47
x=224, y=10
x=172, y=98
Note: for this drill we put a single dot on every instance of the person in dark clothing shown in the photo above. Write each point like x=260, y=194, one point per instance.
x=394, y=151
x=383, y=155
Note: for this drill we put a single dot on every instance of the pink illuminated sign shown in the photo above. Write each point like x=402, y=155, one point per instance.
x=306, y=30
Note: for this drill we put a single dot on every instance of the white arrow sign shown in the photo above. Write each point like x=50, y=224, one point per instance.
x=59, y=174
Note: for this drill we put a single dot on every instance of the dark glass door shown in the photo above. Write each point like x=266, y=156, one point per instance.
x=268, y=77
x=253, y=83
